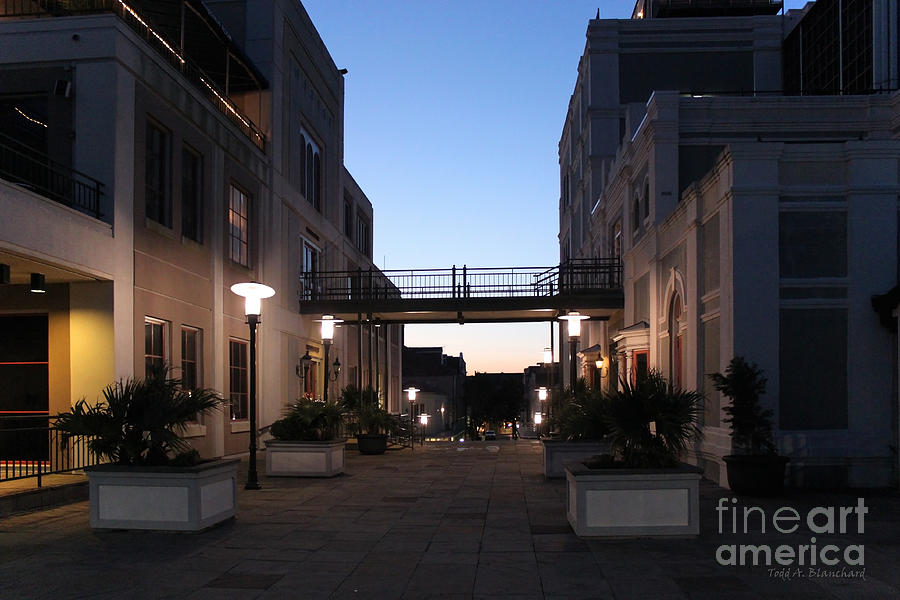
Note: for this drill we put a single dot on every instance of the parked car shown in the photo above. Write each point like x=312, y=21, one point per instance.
x=490, y=434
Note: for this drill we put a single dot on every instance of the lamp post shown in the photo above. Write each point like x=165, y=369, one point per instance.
x=423, y=419
x=253, y=293
x=443, y=422
x=411, y=396
x=573, y=320
x=328, y=322
x=542, y=397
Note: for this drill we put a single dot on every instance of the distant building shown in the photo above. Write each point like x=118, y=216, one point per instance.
x=441, y=381
x=750, y=220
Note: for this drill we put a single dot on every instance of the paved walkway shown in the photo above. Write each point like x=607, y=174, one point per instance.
x=447, y=521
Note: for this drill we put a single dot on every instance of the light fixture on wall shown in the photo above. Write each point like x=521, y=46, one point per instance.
x=38, y=283
x=600, y=363
x=303, y=366
x=253, y=294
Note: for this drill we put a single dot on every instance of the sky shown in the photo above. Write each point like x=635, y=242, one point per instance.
x=453, y=113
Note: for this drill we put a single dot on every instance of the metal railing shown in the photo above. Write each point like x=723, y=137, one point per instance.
x=31, y=447
x=35, y=171
x=571, y=277
x=165, y=48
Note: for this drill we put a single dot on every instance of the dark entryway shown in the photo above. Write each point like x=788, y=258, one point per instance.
x=24, y=389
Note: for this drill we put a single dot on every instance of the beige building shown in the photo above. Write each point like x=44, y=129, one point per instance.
x=148, y=161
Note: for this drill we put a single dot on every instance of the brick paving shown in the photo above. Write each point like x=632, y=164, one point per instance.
x=467, y=521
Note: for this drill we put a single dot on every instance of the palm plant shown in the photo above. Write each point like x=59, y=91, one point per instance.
x=140, y=421
x=751, y=424
x=365, y=414
x=583, y=414
x=651, y=422
x=309, y=421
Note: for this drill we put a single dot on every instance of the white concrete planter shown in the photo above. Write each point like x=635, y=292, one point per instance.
x=557, y=454
x=162, y=498
x=304, y=459
x=633, y=502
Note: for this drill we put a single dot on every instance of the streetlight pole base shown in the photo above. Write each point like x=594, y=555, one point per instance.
x=252, y=486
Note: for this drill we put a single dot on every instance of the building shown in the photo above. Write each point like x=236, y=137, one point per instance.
x=440, y=380
x=151, y=156
x=750, y=219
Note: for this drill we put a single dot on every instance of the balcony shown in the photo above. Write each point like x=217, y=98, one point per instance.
x=35, y=171
x=183, y=33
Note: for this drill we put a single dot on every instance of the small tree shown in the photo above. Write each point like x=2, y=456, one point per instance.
x=751, y=424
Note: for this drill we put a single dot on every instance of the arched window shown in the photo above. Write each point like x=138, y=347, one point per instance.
x=636, y=214
x=302, y=168
x=317, y=183
x=675, y=341
x=646, y=199
x=308, y=188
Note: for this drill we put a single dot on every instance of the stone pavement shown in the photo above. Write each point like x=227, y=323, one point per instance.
x=473, y=520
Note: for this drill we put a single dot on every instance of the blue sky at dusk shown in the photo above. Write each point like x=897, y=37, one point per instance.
x=453, y=112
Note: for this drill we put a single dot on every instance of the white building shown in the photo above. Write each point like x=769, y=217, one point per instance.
x=749, y=222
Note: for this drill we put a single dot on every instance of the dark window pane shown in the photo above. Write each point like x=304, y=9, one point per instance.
x=812, y=244
x=23, y=338
x=813, y=341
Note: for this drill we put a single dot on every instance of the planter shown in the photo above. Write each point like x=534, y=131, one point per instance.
x=162, y=498
x=558, y=453
x=304, y=459
x=756, y=475
x=633, y=502
x=372, y=443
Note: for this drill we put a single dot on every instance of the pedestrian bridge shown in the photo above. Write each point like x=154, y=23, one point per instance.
x=466, y=294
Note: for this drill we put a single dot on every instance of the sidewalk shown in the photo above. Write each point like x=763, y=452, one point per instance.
x=473, y=520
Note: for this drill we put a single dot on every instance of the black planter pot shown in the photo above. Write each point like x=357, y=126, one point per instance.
x=756, y=475
x=371, y=443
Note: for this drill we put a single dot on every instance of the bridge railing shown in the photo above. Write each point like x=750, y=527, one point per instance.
x=571, y=277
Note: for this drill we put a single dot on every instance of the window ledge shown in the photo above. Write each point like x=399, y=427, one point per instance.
x=193, y=430
x=159, y=228
x=240, y=426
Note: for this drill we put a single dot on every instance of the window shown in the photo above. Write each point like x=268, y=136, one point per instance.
x=615, y=239
x=362, y=235
x=310, y=264
x=311, y=176
x=675, y=341
x=348, y=216
x=636, y=214
x=641, y=366
x=158, y=203
x=239, y=226
x=812, y=244
x=190, y=358
x=155, y=341
x=237, y=377
x=190, y=362
x=191, y=195
x=813, y=340
x=646, y=200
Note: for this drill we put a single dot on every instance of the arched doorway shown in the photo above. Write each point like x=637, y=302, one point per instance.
x=675, y=341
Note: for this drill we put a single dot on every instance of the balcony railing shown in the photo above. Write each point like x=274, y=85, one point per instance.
x=168, y=49
x=571, y=277
x=30, y=447
x=35, y=171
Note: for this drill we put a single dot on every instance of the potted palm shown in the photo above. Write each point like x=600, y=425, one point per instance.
x=153, y=479
x=306, y=441
x=370, y=422
x=640, y=487
x=582, y=430
x=754, y=467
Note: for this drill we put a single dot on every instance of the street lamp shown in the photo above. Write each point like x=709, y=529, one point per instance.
x=548, y=356
x=411, y=396
x=328, y=322
x=542, y=397
x=573, y=320
x=253, y=293
x=443, y=422
x=423, y=419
